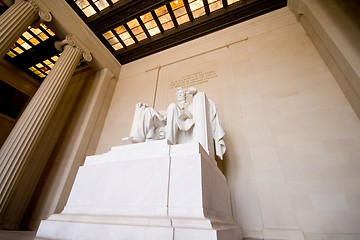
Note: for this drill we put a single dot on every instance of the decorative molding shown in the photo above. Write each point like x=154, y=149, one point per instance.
x=71, y=41
x=43, y=12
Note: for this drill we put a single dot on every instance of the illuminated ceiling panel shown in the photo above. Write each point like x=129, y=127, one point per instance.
x=215, y=5
x=101, y=4
x=113, y=40
x=164, y=18
x=150, y=24
x=30, y=38
x=132, y=29
x=34, y=51
x=85, y=6
x=124, y=35
x=197, y=8
x=180, y=11
x=233, y=1
x=136, y=29
x=42, y=69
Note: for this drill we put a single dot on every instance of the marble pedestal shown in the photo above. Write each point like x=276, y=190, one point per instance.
x=152, y=191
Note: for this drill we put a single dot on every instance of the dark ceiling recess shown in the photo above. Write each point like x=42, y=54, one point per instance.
x=120, y=14
x=34, y=52
x=132, y=29
x=37, y=54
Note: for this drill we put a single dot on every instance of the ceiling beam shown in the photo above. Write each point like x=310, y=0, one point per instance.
x=34, y=35
x=217, y=20
x=76, y=8
x=37, y=68
x=172, y=15
x=107, y=44
x=158, y=23
x=44, y=31
x=118, y=38
x=225, y=3
x=110, y=3
x=188, y=10
x=131, y=33
x=121, y=14
x=206, y=6
x=21, y=47
x=94, y=6
x=143, y=27
x=27, y=41
x=42, y=52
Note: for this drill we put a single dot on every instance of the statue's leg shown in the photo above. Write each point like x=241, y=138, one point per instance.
x=171, y=128
x=141, y=124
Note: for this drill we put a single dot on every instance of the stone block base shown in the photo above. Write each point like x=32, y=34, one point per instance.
x=147, y=191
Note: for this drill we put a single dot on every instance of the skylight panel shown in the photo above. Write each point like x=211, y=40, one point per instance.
x=164, y=18
x=55, y=58
x=117, y=46
x=85, y=6
x=197, y=8
x=136, y=29
x=30, y=38
x=48, y=63
x=39, y=33
x=17, y=49
x=124, y=35
x=11, y=54
x=37, y=72
x=48, y=30
x=215, y=5
x=23, y=44
x=42, y=69
x=111, y=38
x=179, y=11
x=101, y=4
x=233, y=1
x=150, y=24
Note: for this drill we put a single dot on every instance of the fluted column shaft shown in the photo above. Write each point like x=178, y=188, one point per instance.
x=15, y=20
x=25, y=135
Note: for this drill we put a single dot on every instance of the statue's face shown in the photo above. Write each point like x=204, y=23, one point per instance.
x=181, y=94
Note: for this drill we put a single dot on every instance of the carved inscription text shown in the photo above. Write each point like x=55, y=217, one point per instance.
x=193, y=79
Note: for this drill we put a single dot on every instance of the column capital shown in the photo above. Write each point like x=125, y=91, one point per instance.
x=73, y=42
x=43, y=12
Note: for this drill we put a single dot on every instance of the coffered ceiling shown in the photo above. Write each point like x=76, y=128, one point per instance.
x=132, y=29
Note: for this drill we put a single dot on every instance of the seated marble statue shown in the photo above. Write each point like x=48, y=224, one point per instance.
x=183, y=122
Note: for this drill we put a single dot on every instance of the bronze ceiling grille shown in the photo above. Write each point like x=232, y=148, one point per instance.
x=34, y=52
x=132, y=29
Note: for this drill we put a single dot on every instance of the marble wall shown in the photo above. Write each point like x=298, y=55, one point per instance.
x=292, y=159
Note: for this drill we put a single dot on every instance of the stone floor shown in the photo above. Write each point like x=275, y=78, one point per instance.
x=16, y=235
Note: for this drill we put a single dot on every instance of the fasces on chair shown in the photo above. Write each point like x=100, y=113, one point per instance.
x=183, y=122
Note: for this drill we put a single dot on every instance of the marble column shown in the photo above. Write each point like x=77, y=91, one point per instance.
x=15, y=20
x=24, y=137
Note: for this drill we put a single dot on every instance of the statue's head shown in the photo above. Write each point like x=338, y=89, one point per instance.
x=181, y=94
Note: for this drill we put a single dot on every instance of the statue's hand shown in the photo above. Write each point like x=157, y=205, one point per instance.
x=140, y=104
x=191, y=91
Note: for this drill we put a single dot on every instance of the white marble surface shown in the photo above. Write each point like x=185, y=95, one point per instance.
x=161, y=192
x=207, y=193
x=152, y=149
